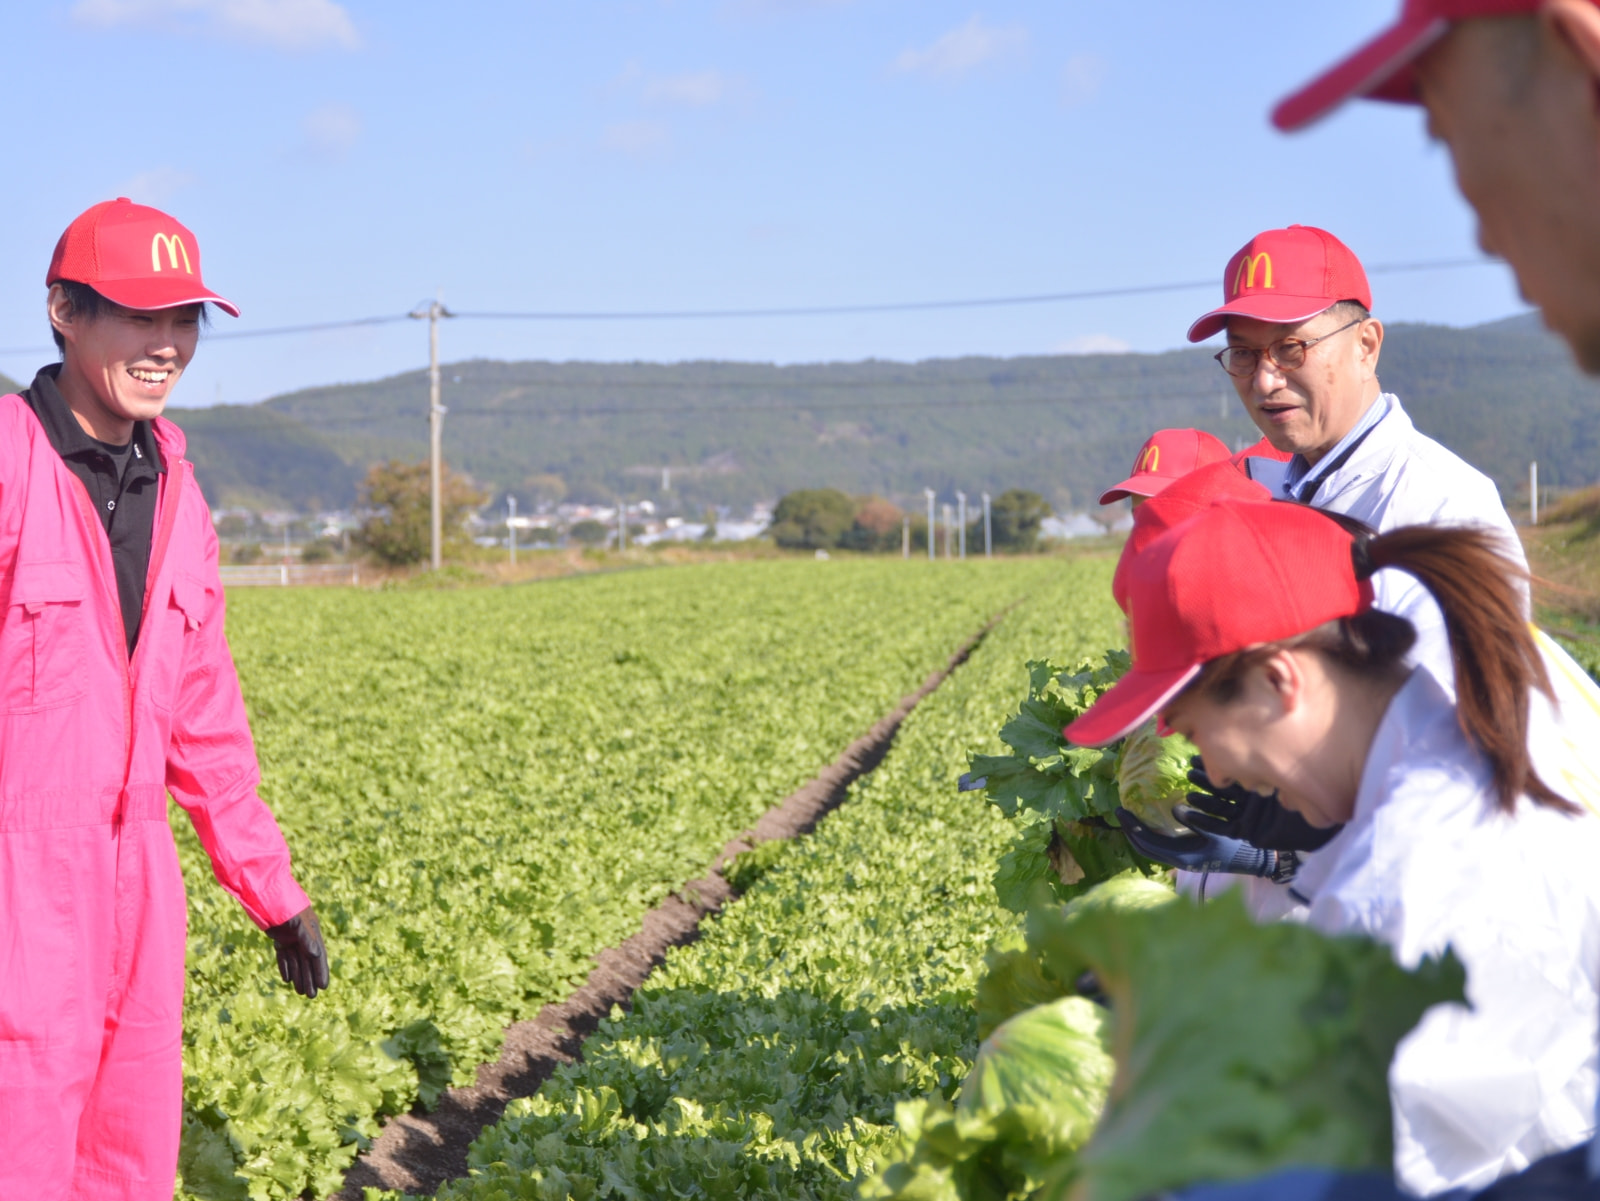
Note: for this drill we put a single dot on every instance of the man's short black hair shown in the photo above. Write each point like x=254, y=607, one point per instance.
x=85, y=302
x=1351, y=310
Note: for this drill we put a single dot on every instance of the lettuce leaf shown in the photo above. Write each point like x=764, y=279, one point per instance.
x=1153, y=775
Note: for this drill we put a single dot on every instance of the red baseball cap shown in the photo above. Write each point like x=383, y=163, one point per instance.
x=1190, y=602
x=1286, y=276
x=1166, y=455
x=135, y=256
x=1382, y=69
x=1193, y=494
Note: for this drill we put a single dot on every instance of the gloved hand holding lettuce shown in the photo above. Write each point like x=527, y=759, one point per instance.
x=1238, y=1049
x=1065, y=798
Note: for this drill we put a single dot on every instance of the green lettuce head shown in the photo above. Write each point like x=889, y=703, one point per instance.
x=1153, y=776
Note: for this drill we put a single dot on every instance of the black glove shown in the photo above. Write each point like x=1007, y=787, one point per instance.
x=1253, y=817
x=302, y=959
x=1207, y=852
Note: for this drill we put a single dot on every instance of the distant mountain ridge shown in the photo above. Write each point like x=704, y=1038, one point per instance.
x=1065, y=426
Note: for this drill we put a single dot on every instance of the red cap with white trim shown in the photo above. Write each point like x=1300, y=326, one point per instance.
x=1166, y=456
x=1238, y=575
x=1382, y=68
x=135, y=256
x=1286, y=276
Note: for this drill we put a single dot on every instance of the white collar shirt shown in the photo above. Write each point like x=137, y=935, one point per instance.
x=1427, y=862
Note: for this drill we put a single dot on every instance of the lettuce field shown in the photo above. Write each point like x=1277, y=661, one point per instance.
x=483, y=789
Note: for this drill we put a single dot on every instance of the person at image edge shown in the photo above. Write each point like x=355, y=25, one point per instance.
x=116, y=688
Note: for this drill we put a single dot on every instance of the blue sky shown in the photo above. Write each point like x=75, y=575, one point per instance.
x=344, y=158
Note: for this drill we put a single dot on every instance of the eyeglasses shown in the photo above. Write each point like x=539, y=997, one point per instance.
x=1286, y=354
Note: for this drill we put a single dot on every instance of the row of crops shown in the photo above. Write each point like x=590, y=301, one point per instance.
x=484, y=789
x=768, y=1059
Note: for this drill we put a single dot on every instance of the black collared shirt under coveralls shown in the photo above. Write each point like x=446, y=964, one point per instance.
x=125, y=500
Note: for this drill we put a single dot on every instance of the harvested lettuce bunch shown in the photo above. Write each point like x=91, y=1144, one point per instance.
x=1017, y=978
x=1064, y=798
x=1035, y=1090
x=1240, y=1048
x=1031, y=1098
x=1153, y=776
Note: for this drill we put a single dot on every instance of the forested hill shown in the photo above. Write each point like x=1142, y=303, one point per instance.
x=1065, y=426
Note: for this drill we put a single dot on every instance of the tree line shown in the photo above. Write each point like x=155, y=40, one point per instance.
x=828, y=519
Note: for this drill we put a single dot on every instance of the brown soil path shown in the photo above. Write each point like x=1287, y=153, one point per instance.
x=418, y=1152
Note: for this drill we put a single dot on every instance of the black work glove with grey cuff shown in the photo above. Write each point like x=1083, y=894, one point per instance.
x=1210, y=853
x=1253, y=817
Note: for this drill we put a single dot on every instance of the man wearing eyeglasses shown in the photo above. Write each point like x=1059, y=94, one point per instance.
x=1303, y=353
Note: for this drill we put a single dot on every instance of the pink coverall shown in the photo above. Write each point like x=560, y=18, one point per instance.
x=93, y=919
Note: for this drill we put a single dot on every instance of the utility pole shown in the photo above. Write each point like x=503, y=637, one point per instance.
x=905, y=536
x=622, y=524
x=511, y=525
x=436, y=411
x=961, y=502
x=1533, y=490
x=947, y=524
x=988, y=541
x=932, y=529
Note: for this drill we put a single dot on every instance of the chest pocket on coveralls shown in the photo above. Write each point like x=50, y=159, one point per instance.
x=187, y=609
x=42, y=637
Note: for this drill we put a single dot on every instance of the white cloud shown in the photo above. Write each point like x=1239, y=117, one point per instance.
x=1081, y=79
x=332, y=130
x=690, y=89
x=697, y=89
x=1093, y=344
x=281, y=24
x=638, y=139
x=963, y=50
x=155, y=186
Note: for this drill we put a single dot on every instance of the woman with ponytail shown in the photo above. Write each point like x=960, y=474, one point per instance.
x=1254, y=634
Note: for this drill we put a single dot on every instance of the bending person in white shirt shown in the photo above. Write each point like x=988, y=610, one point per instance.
x=1254, y=635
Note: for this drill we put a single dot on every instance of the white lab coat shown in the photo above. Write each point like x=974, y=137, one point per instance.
x=1428, y=862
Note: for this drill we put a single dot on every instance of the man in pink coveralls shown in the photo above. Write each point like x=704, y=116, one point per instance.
x=116, y=688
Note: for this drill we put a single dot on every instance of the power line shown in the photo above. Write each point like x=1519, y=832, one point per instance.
x=830, y=310
x=314, y=328
x=914, y=306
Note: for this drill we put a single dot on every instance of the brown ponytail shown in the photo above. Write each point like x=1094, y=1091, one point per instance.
x=1497, y=663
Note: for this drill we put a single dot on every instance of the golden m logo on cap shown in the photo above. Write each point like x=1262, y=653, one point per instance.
x=174, y=247
x=1245, y=277
x=1150, y=460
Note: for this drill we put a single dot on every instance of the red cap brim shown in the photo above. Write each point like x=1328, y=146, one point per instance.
x=1276, y=308
x=1380, y=69
x=1135, y=485
x=153, y=294
x=1131, y=702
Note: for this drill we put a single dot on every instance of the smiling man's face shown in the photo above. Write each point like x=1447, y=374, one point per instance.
x=122, y=364
x=1308, y=410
